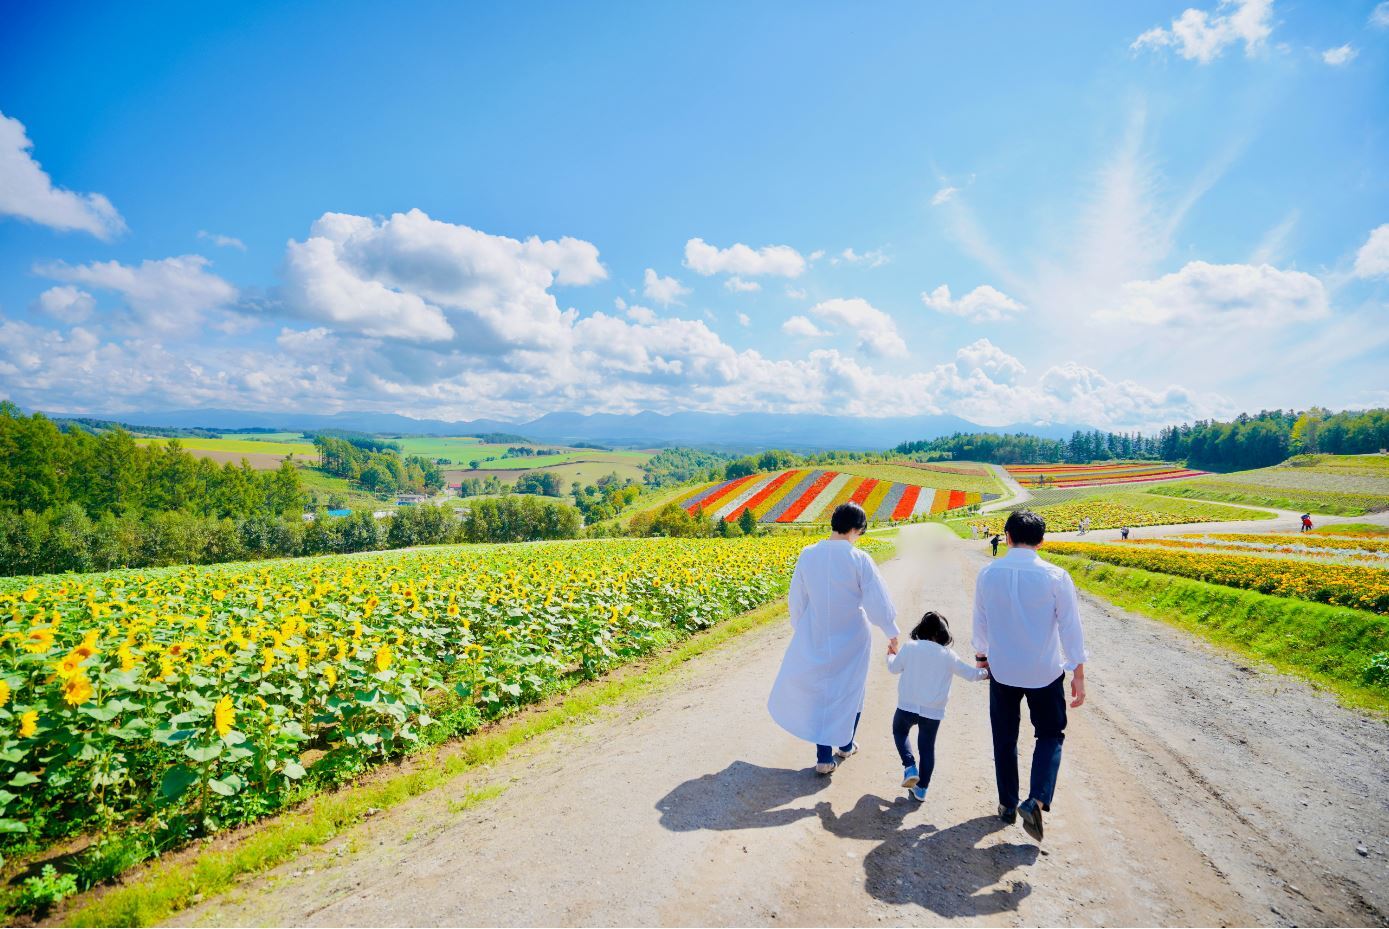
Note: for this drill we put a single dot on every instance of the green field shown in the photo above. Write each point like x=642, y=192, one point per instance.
x=291, y=437
x=458, y=449
x=319, y=486
x=1341, y=485
x=239, y=446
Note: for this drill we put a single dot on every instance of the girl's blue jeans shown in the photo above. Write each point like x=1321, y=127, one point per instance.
x=902, y=722
x=824, y=754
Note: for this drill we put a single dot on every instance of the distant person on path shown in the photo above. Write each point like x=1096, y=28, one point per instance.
x=1306, y=522
x=926, y=665
x=836, y=593
x=1026, y=617
x=994, y=542
x=1124, y=533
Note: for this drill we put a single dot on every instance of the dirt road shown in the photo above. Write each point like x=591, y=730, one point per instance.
x=1194, y=790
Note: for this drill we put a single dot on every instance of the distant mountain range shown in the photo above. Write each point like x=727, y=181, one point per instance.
x=734, y=431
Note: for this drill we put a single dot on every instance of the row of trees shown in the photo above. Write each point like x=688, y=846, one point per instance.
x=67, y=539
x=1247, y=441
x=43, y=468
x=377, y=470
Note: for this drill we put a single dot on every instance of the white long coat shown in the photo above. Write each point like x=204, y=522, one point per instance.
x=836, y=591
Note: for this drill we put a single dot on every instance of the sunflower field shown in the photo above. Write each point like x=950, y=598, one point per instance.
x=188, y=699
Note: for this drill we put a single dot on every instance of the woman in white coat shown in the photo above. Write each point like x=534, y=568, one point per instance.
x=836, y=592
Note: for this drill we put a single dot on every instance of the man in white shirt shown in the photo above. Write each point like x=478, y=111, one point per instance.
x=1027, y=633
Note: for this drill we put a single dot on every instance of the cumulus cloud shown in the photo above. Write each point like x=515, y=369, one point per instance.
x=944, y=195
x=982, y=304
x=875, y=331
x=744, y=320
x=416, y=279
x=664, y=290
x=222, y=241
x=738, y=286
x=66, y=303
x=802, y=327
x=1203, y=294
x=1379, y=16
x=1341, y=55
x=27, y=191
x=1372, y=260
x=167, y=295
x=985, y=356
x=770, y=260
x=1200, y=35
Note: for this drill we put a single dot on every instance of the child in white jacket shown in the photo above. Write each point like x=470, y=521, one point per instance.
x=926, y=665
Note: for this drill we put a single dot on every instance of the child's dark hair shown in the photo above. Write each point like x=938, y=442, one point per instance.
x=933, y=628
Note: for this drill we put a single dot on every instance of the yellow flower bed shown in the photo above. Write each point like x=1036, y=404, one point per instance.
x=1364, y=588
x=204, y=692
x=1111, y=511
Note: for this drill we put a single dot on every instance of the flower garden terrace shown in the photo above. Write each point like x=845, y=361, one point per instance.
x=1098, y=475
x=810, y=495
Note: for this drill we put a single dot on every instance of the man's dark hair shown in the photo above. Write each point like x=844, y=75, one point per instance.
x=848, y=517
x=1025, y=527
x=933, y=628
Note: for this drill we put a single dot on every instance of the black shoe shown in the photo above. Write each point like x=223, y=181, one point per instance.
x=1007, y=815
x=1031, y=814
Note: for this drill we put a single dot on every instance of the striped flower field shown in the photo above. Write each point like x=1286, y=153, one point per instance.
x=810, y=496
x=1098, y=475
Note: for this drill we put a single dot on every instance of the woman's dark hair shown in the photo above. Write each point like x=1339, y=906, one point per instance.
x=848, y=517
x=1025, y=527
x=933, y=628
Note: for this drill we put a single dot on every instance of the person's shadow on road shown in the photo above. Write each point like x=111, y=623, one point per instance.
x=741, y=796
x=941, y=870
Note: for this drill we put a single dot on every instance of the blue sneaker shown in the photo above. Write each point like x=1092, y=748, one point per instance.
x=1031, y=812
x=910, y=776
x=918, y=794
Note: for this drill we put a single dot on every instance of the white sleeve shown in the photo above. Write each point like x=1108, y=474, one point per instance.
x=896, y=663
x=1068, y=622
x=877, y=602
x=980, y=635
x=798, y=598
x=961, y=668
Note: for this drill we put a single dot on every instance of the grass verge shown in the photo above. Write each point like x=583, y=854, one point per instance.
x=153, y=893
x=1352, y=529
x=1342, y=649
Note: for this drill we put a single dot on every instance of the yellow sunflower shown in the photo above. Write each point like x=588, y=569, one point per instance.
x=223, y=715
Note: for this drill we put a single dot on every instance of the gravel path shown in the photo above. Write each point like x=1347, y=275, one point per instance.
x=1195, y=791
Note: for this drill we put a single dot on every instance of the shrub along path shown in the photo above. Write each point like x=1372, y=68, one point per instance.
x=1196, y=790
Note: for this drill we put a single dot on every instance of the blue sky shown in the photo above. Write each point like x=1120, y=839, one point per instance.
x=1120, y=214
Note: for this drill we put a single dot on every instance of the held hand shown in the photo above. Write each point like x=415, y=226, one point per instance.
x=981, y=661
x=892, y=647
x=1077, y=690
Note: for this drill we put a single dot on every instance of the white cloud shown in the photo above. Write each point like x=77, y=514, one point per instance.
x=795, y=294
x=1202, y=36
x=982, y=304
x=1379, y=16
x=27, y=191
x=737, y=285
x=744, y=320
x=875, y=330
x=815, y=255
x=771, y=260
x=944, y=195
x=416, y=279
x=1341, y=55
x=985, y=356
x=168, y=295
x=222, y=241
x=874, y=259
x=66, y=303
x=1205, y=295
x=1372, y=260
x=802, y=327
x=664, y=290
